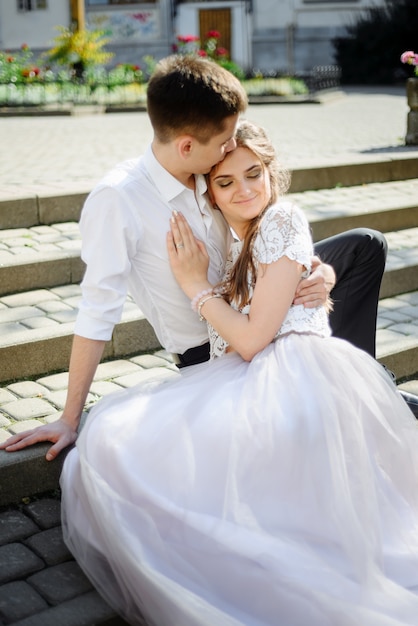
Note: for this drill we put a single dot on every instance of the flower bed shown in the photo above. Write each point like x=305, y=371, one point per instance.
x=70, y=73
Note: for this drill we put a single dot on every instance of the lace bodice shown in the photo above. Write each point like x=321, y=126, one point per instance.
x=284, y=231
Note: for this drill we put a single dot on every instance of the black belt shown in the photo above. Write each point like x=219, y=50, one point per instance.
x=193, y=356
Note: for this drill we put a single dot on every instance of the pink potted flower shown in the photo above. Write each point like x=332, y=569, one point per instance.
x=411, y=58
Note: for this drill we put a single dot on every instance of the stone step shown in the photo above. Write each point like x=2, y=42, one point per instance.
x=48, y=255
x=36, y=329
x=39, y=256
x=397, y=334
x=35, y=205
x=356, y=173
x=401, y=272
x=44, y=269
x=36, y=326
x=38, y=205
x=383, y=206
x=25, y=404
x=40, y=271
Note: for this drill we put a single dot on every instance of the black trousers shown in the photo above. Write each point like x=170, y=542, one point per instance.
x=358, y=257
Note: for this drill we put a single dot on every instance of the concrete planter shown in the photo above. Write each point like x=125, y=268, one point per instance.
x=411, y=138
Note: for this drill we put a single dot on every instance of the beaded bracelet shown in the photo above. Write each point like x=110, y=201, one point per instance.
x=202, y=302
x=197, y=297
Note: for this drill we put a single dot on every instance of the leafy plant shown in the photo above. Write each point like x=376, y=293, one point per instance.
x=57, y=79
x=284, y=86
x=125, y=74
x=190, y=44
x=17, y=67
x=150, y=64
x=79, y=49
x=370, y=53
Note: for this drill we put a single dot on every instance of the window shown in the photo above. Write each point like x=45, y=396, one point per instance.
x=31, y=5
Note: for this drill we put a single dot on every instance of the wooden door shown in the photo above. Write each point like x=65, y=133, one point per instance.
x=216, y=19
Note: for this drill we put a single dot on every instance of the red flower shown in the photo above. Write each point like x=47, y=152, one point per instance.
x=30, y=72
x=222, y=52
x=213, y=34
x=202, y=53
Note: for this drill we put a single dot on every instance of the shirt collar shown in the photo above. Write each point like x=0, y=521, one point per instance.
x=168, y=186
x=201, y=186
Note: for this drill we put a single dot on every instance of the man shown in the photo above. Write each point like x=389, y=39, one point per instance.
x=193, y=105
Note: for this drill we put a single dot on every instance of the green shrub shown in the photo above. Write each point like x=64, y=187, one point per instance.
x=371, y=51
x=18, y=67
x=79, y=49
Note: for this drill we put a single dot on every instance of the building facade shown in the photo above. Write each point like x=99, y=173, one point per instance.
x=286, y=36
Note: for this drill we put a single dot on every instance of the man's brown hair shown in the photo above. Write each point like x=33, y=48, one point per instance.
x=192, y=95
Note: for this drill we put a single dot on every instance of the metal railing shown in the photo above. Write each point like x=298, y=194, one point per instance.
x=323, y=77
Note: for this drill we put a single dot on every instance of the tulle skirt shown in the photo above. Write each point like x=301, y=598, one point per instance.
x=280, y=492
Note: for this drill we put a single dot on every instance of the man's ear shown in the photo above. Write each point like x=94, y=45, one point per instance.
x=185, y=145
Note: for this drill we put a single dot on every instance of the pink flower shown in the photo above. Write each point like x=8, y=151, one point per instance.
x=141, y=17
x=187, y=38
x=213, y=34
x=409, y=57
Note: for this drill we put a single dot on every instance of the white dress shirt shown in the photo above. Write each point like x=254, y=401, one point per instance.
x=123, y=225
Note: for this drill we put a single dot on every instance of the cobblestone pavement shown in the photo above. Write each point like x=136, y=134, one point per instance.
x=351, y=126
x=40, y=584
x=25, y=404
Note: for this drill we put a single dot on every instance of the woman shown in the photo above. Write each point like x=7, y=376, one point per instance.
x=276, y=485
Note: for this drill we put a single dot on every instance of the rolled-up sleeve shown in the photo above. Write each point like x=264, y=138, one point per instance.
x=110, y=237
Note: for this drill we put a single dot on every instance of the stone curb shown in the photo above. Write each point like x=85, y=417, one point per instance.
x=351, y=174
x=27, y=357
x=318, y=97
x=34, y=205
x=27, y=472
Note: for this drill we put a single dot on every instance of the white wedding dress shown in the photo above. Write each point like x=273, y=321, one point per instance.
x=280, y=492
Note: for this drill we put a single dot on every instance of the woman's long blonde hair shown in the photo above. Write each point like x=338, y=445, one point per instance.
x=253, y=137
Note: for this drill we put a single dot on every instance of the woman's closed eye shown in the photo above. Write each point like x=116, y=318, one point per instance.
x=223, y=182
x=255, y=174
